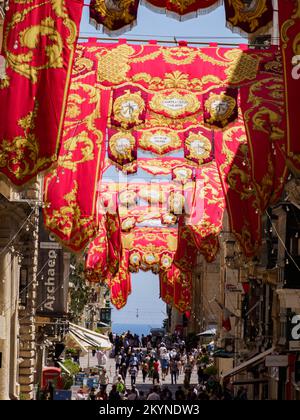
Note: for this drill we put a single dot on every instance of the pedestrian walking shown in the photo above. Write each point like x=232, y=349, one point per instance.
x=103, y=380
x=145, y=370
x=133, y=374
x=174, y=372
x=155, y=372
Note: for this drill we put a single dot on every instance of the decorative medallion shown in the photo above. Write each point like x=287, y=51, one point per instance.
x=198, y=149
x=152, y=194
x=160, y=142
x=122, y=148
x=113, y=15
x=221, y=109
x=182, y=174
x=176, y=203
x=135, y=259
x=169, y=219
x=150, y=259
x=106, y=202
x=175, y=104
x=128, y=198
x=166, y=262
x=128, y=224
x=129, y=109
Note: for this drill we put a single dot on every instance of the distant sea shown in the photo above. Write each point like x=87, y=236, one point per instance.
x=138, y=329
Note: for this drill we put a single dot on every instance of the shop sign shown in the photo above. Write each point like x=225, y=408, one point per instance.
x=52, y=287
x=294, y=346
x=277, y=361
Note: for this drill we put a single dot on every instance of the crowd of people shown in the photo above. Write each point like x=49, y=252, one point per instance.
x=157, y=364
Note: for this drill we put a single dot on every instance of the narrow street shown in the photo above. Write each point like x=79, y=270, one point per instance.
x=150, y=200
x=88, y=361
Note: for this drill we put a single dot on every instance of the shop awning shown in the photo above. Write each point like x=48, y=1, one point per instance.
x=222, y=354
x=208, y=333
x=86, y=339
x=248, y=363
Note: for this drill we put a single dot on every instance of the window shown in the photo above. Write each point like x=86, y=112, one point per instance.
x=105, y=315
x=23, y=286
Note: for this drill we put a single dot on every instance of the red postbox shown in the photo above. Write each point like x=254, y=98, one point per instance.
x=52, y=375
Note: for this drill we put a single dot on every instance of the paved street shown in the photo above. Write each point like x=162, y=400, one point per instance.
x=90, y=361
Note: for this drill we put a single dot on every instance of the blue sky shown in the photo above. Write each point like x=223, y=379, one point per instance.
x=207, y=28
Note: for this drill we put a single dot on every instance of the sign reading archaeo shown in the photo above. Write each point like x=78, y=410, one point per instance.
x=51, y=300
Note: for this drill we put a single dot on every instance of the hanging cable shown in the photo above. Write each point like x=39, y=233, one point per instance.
x=18, y=232
x=282, y=242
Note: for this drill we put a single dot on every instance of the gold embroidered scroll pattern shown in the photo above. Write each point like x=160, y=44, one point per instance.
x=182, y=4
x=70, y=160
x=244, y=13
x=70, y=221
x=31, y=39
x=72, y=145
x=21, y=154
x=177, y=80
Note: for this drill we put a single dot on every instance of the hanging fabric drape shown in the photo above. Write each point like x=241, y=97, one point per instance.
x=120, y=284
x=70, y=191
x=116, y=17
x=176, y=288
x=150, y=248
x=289, y=21
x=38, y=45
x=247, y=17
x=232, y=98
x=183, y=9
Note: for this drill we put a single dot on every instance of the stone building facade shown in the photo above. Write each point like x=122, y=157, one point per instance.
x=18, y=266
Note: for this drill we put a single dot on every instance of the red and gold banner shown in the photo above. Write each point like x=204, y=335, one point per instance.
x=249, y=16
x=96, y=264
x=167, y=280
x=150, y=248
x=120, y=284
x=71, y=191
x=176, y=288
x=173, y=80
x=186, y=254
x=38, y=45
x=183, y=291
x=113, y=15
x=114, y=242
x=181, y=8
x=289, y=20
